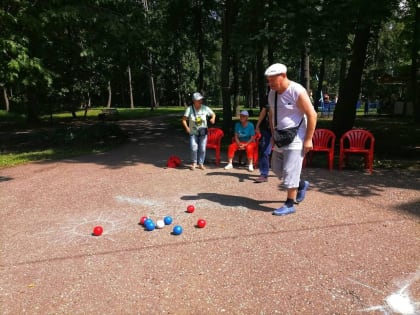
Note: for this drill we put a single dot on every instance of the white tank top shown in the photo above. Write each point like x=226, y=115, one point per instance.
x=288, y=113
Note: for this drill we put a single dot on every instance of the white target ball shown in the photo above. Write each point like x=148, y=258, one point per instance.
x=160, y=224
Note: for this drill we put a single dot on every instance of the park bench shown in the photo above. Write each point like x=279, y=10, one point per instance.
x=108, y=114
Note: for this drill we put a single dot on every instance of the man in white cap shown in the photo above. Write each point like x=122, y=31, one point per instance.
x=290, y=106
x=196, y=127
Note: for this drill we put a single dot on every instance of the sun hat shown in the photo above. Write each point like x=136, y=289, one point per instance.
x=197, y=96
x=244, y=113
x=276, y=69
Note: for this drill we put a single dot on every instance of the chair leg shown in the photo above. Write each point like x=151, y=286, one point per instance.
x=311, y=155
x=255, y=160
x=340, y=162
x=217, y=156
x=369, y=160
x=239, y=156
x=330, y=161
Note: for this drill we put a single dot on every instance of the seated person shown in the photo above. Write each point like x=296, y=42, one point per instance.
x=244, y=140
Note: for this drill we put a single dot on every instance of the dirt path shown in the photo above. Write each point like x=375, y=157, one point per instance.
x=352, y=247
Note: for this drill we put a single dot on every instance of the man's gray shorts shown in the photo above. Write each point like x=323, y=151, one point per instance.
x=287, y=165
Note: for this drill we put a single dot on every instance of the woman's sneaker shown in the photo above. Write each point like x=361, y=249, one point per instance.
x=251, y=168
x=229, y=166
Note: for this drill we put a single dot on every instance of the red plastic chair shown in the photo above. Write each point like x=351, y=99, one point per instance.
x=323, y=141
x=255, y=157
x=357, y=141
x=214, y=139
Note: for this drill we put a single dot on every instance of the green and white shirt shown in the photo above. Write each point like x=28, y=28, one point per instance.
x=197, y=118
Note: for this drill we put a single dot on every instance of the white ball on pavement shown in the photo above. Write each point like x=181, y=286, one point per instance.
x=160, y=224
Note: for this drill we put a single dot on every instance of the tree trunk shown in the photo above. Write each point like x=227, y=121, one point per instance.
x=415, y=66
x=342, y=74
x=235, y=84
x=200, y=44
x=249, y=89
x=345, y=110
x=130, y=86
x=87, y=106
x=318, y=95
x=152, y=90
x=304, y=77
x=6, y=99
x=152, y=93
x=225, y=65
x=108, y=104
x=32, y=106
x=261, y=86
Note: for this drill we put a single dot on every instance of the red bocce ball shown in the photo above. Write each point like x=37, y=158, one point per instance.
x=97, y=230
x=142, y=219
x=201, y=223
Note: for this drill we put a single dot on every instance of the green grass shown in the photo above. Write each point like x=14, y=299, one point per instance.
x=123, y=113
x=63, y=136
x=61, y=140
x=13, y=159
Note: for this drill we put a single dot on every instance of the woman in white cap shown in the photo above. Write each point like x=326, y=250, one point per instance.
x=244, y=140
x=290, y=106
x=197, y=129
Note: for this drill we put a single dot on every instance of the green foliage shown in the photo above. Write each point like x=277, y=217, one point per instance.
x=58, y=55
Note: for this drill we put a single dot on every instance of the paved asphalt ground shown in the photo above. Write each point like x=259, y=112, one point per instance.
x=352, y=247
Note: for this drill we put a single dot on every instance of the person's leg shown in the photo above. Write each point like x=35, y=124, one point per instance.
x=193, y=150
x=202, y=142
x=277, y=164
x=250, y=149
x=233, y=147
x=264, y=155
x=292, y=168
x=301, y=192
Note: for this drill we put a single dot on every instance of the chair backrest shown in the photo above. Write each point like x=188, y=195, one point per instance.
x=358, y=139
x=324, y=138
x=214, y=135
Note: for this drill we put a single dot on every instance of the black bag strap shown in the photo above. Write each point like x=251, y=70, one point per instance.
x=193, y=109
x=275, y=112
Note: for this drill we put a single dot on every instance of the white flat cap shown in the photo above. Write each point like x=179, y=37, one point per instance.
x=275, y=69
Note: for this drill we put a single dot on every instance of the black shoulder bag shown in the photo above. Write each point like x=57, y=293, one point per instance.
x=284, y=136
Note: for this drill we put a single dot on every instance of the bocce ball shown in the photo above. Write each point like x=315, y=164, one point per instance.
x=142, y=219
x=177, y=230
x=190, y=209
x=160, y=224
x=167, y=220
x=201, y=223
x=150, y=226
x=97, y=230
